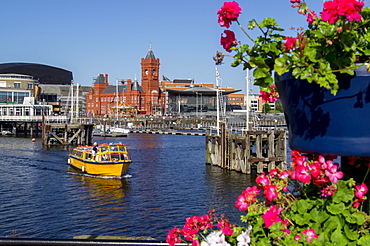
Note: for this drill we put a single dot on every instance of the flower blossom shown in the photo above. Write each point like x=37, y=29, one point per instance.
x=289, y=43
x=310, y=233
x=216, y=238
x=244, y=238
x=333, y=174
x=262, y=180
x=271, y=216
x=270, y=192
x=229, y=40
x=228, y=13
x=328, y=191
x=350, y=9
x=225, y=227
x=270, y=96
x=361, y=191
x=311, y=16
x=173, y=236
x=247, y=197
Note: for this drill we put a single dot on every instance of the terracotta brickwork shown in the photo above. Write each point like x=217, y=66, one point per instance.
x=146, y=97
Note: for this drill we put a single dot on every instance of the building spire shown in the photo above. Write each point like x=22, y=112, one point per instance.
x=150, y=53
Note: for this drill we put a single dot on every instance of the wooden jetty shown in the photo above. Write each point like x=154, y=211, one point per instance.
x=66, y=133
x=242, y=152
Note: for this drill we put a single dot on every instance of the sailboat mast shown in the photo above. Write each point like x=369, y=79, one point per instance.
x=117, y=99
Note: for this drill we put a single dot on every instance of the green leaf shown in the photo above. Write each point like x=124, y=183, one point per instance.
x=364, y=241
x=338, y=238
x=359, y=217
x=352, y=235
x=344, y=193
x=335, y=208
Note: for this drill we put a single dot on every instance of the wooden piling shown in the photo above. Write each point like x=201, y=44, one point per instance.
x=252, y=149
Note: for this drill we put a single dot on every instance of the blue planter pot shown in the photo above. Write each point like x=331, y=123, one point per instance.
x=319, y=122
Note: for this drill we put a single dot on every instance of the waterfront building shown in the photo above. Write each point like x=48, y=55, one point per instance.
x=22, y=88
x=127, y=97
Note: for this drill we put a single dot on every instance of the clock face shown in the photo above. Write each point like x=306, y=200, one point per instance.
x=153, y=72
x=146, y=72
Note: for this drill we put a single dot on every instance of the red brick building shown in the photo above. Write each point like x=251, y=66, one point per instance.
x=131, y=97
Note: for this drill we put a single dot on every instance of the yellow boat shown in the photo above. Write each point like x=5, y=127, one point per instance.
x=112, y=160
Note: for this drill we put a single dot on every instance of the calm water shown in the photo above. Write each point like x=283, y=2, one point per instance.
x=42, y=197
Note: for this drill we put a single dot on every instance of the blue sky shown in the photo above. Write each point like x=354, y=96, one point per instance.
x=89, y=37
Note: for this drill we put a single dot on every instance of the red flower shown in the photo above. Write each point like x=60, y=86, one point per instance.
x=289, y=43
x=228, y=13
x=173, y=236
x=229, y=40
x=271, y=216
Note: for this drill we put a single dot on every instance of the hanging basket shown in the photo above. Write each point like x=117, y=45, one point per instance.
x=321, y=123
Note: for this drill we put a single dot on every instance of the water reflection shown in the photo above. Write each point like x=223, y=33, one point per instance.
x=102, y=189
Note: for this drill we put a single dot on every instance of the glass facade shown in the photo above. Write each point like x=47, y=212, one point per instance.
x=13, y=96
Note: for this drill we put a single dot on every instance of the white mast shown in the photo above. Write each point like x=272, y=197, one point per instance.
x=117, y=100
x=77, y=101
x=247, y=79
x=217, y=103
x=72, y=102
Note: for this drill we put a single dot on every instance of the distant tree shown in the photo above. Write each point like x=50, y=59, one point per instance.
x=266, y=108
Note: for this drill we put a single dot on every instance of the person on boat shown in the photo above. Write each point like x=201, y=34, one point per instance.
x=95, y=151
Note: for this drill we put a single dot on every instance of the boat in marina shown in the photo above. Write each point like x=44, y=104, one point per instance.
x=110, y=160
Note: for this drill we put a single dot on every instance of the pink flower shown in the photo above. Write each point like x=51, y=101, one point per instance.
x=333, y=174
x=361, y=191
x=247, y=197
x=303, y=174
x=271, y=216
x=229, y=40
x=284, y=175
x=225, y=227
x=350, y=9
x=262, y=180
x=269, y=96
x=270, y=192
x=311, y=16
x=310, y=233
x=289, y=43
x=297, y=237
x=228, y=13
x=328, y=191
x=173, y=236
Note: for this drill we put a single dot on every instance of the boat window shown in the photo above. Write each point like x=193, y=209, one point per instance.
x=113, y=148
x=104, y=149
x=88, y=156
x=124, y=157
x=115, y=157
x=105, y=157
x=122, y=148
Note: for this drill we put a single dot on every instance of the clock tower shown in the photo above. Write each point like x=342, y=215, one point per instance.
x=150, y=72
x=152, y=99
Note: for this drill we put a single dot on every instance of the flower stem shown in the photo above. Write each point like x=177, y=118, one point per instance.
x=245, y=32
x=366, y=175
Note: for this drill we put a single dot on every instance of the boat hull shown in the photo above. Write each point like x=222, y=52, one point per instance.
x=109, y=169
